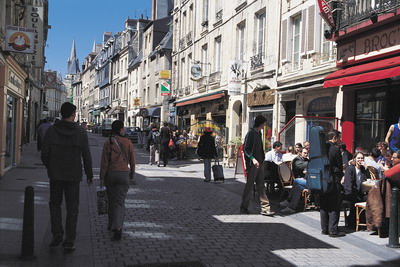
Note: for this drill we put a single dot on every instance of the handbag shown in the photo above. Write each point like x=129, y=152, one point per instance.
x=102, y=200
x=171, y=143
x=218, y=171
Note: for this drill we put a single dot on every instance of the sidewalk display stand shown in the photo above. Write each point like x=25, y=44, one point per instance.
x=240, y=166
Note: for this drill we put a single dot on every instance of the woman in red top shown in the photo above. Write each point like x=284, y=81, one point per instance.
x=115, y=174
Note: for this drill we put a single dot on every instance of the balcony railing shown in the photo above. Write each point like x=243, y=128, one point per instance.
x=182, y=43
x=189, y=38
x=188, y=90
x=218, y=15
x=181, y=91
x=215, y=77
x=354, y=11
x=322, y=58
x=257, y=61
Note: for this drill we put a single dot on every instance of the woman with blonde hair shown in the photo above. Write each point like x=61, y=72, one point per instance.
x=117, y=168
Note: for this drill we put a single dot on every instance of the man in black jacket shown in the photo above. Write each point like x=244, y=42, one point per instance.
x=64, y=145
x=254, y=156
x=330, y=203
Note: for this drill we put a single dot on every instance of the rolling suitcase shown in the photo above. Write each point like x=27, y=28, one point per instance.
x=218, y=171
x=319, y=173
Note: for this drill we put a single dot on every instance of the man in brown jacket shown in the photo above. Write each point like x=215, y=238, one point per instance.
x=64, y=144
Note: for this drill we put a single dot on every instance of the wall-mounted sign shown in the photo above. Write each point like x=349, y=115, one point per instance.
x=260, y=98
x=326, y=13
x=196, y=72
x=165, y=74
x=20, y=39
x=235, y=77
x=166, y=88
x=369, y=45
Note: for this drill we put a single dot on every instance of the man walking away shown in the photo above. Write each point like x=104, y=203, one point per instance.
x=165, y=137
x=330, y=202
x=64, y=144
x=254, y=156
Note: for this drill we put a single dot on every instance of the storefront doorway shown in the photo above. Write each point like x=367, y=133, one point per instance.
x=267, y=131
x=10, y=132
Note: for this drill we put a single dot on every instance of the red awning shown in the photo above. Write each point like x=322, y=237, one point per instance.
x=372, y=71
x=200, y=99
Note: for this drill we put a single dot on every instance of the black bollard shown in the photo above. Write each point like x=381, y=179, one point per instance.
x=28, y=241
x=394, y=220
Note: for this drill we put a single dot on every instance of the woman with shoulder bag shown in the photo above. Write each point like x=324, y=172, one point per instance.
x=118, y=153
x=207, y=151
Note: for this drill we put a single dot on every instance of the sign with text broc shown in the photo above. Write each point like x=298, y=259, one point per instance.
x=369, y=45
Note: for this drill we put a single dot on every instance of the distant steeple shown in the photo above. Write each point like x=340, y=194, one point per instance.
x=73, y=62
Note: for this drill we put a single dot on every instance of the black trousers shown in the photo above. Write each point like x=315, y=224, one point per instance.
x=71, y=192
x=164, y=152
x=330, y=210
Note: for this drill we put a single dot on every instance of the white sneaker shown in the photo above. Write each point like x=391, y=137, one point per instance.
x=288, y=210
x=284, y=203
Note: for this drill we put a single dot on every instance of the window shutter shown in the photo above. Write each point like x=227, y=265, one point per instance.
x=284, y=40
x=311, y=29
x=303, y=30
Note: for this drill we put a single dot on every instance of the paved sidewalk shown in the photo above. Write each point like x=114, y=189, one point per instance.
x=174, y=217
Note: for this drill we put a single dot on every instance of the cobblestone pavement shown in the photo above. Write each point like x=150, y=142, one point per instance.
x=172, y=216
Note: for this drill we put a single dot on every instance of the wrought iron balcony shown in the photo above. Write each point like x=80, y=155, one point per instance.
x=188, y=90
x=257, y=61
x=215, y=77
x=189, y=38
x=182, y=43
x=218, y=15
x=353, y=11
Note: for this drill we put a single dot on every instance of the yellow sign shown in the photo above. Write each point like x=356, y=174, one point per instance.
x=165, y=74
x=136, y=101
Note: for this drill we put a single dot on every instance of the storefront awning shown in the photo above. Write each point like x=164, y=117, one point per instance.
x=199, y=99
x=154, y=112
x=378, y=70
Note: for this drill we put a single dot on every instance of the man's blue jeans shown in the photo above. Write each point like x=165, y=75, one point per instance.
x=207, y=169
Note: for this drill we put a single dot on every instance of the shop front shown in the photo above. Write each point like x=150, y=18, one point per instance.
x=211, y=107
x=369, y=79
x=262, y=103
x=12, y=87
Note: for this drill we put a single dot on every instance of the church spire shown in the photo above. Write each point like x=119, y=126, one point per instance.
x=73, y=62
x=94, y=46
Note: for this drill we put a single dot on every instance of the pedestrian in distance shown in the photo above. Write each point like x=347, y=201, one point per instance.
x=154, y=140
x=116, y=170
x=393, y=137
x=254, y=156
x=207, y=150
x=64, y=146
x=165, y=137
x=330, y=203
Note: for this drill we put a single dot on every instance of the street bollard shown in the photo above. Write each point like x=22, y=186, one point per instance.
x=28, y=246
x=394, y=219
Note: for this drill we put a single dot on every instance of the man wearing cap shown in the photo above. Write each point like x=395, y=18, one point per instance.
x=207, y=151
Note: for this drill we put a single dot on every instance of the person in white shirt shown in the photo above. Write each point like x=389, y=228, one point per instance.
x=372, y=161
x=275, y=155
x=289, y=155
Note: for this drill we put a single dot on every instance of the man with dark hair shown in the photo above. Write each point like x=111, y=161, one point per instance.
x=330, y=202
x=64, y=144
x=346, y=155
x=254, y=156
x=372, y=161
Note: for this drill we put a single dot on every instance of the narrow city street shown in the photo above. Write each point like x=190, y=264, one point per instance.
x=174, y=217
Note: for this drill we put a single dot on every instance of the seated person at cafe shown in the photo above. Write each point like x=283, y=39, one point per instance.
x=372, y=161
x=289, y=155
x=354, y=176
x=299, y=166
x=273, y=158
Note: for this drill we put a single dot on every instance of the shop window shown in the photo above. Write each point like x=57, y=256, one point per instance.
x=370, y=119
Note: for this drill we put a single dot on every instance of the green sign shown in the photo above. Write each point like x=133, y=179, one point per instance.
x=166, y=88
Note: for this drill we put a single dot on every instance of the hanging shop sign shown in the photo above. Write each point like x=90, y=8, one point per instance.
x=19, y=39
x=136, y=101
x=165, y=74
x=235, y=77
x=34, y=14
x=196, y=72
x=166, y=88
x=326, y=13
